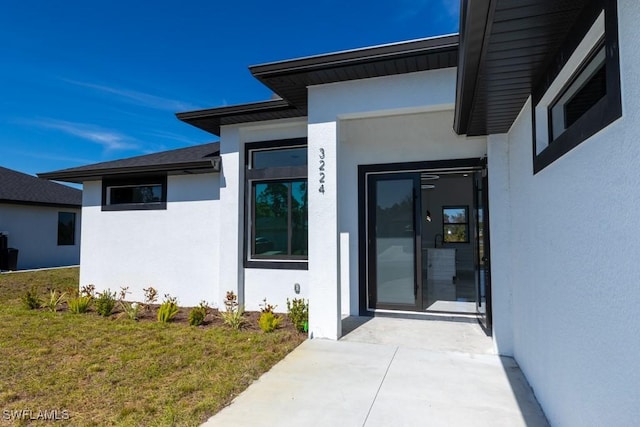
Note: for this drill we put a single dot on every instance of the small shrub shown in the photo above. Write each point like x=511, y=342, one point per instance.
x=79, y=304
x=269, y=322
x=129, y=309
x=150, y=297
x=233, y=315
x=31, y=300
x=298, y=312
x=53, y=302
x=198, y=314
x=105, y=302
x=168, y=309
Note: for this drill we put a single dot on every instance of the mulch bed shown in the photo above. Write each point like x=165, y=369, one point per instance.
x=213, y=318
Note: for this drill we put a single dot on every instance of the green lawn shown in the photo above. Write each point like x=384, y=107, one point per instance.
x=113, y=371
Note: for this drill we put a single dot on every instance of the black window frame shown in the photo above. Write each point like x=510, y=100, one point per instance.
x=605, y=111
x=62, y=241
x=268, y=175
x=135, y=181
x=466, y=223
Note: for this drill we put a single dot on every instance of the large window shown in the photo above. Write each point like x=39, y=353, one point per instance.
x=277, y=225
x=66, y=228
x=141, y=193
x=580, y=93
x=455, y=224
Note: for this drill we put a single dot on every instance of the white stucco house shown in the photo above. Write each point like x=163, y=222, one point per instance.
x=40, y=219
x=491, y=173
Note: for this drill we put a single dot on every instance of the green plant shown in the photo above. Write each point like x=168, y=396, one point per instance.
x=233, y=315
x=269, y=322
x=130, y=309
x=298, y=312
x=198, y=314
x=168, y=309
x=55, y=299
x=79, y=304
x=31, y=300
x=105, y=302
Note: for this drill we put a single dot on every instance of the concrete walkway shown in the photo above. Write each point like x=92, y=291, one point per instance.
x=398, y=372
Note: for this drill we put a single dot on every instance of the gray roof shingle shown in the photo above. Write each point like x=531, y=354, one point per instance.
x=18, y=187
x=189, y=158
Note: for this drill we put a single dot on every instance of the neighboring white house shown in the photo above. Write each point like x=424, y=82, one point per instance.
x=366, y=188
x=39, y=218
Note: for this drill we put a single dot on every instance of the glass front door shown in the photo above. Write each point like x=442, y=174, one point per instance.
x=394, y=241
x=483, y=250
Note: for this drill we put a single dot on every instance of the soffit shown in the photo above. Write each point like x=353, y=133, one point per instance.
x=506, y=47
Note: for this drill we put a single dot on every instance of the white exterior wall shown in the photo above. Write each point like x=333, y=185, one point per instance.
x=381, y=120
x=252, y=285
x=574, y=271
x=33, y=230
x=176, y=250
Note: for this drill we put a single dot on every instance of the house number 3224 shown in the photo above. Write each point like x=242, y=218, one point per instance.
x=321, y=169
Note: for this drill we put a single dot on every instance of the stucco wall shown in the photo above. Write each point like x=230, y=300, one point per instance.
x=574, y=270
x=382, y=120
x=33, y=230
x=174, y=250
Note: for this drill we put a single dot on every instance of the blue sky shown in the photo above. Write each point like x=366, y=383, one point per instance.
x=88, y=81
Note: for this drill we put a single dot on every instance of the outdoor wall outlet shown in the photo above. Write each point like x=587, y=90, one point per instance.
x=296, y=288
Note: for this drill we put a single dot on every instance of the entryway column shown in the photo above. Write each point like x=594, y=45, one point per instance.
x=324, y=266
x=501, y=253
x=231, y=208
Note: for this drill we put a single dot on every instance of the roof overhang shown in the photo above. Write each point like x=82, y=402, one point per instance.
x=290, y=79
x=211, y=119
x=44, y=204
x=210, y=165
x=505, y=48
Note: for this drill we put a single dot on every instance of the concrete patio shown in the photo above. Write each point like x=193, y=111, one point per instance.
x=390, y=371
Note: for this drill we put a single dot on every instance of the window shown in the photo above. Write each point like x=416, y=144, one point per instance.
x=280, y=219
x=455, y=224
x=66, y=228
x=277, y=226
x=140, y=193
x=589, y=87
x=580, y=94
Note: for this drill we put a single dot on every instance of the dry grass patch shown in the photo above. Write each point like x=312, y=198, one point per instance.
x=107, y=371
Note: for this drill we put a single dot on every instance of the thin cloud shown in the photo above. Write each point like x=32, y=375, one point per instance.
x=170, y=135
x=110, y=140
x=45, y=156
x=137, y=98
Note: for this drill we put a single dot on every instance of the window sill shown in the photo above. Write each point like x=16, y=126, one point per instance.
x=277, y=265
x=135, y=207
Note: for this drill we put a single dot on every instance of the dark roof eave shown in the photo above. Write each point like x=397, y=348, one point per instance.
x=81, y=176
x=211, y=119
x=35, y=203
x=474, y=19
x=234, y=109
x=355, y=56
